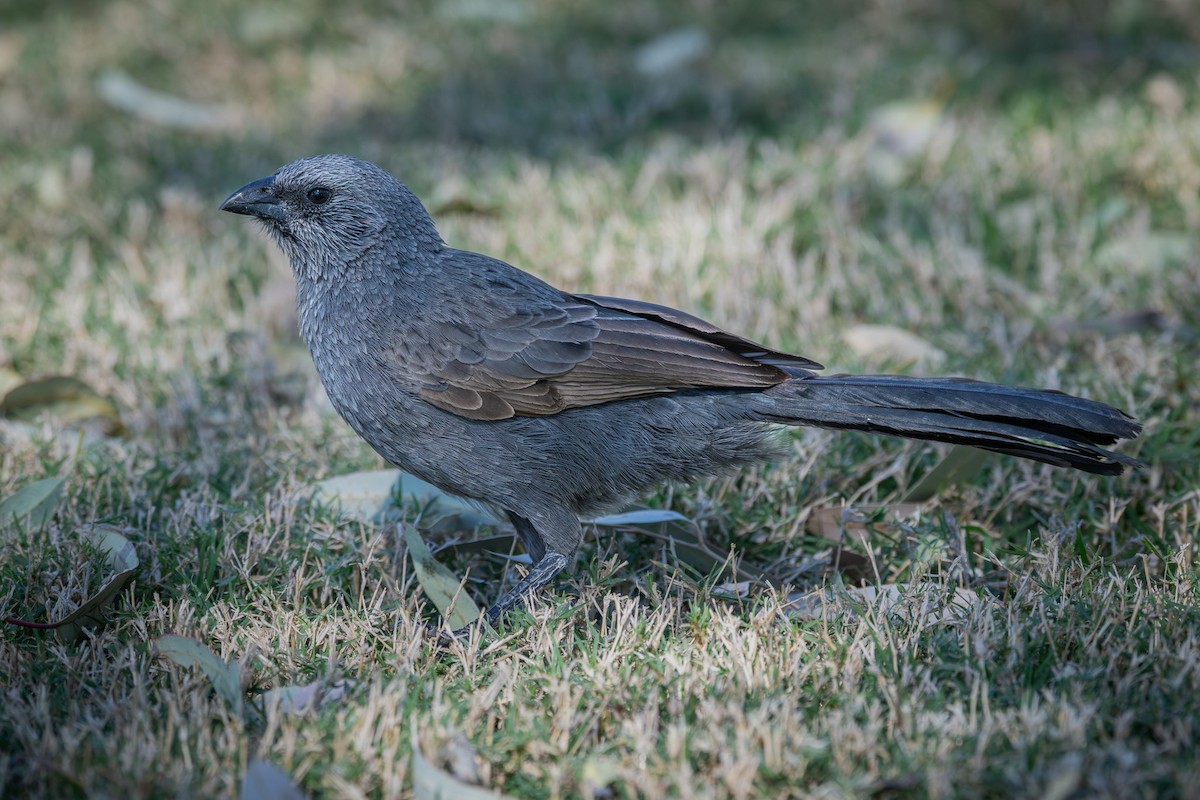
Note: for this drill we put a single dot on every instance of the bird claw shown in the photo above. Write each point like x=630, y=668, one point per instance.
x=445, y=637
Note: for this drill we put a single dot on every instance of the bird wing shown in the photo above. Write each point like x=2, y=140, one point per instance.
x=518, y=352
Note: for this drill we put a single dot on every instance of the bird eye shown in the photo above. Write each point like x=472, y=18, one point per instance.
x=319, y=196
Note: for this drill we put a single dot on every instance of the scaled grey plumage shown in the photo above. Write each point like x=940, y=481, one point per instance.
x=494, y=385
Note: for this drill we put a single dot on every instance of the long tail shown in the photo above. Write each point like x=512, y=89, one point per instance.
x=1040, y=424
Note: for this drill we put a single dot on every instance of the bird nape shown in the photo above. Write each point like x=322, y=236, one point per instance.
x=494, y=385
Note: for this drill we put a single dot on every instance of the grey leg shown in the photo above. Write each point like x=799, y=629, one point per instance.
x=534, y=545
x=551, y=539
x=542, y=573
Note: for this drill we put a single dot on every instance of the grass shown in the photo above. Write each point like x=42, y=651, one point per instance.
x=1060, y=190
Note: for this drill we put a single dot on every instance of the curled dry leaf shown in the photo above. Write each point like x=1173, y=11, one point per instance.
x=121, y=556
x=849, y=524
x=68, y=399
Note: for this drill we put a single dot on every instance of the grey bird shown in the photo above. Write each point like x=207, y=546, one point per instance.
x=494, y=385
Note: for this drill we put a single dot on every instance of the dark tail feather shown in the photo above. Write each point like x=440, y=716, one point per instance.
x=1040, y=424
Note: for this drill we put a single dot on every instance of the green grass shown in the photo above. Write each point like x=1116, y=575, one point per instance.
x=1060, y=188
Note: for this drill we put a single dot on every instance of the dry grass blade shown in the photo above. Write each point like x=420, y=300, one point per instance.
x=927, y=599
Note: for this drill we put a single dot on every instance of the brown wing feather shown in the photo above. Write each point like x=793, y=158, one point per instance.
x=703, y=328
x=530, y=350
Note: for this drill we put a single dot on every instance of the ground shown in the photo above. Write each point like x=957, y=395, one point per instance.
x=1015, y=186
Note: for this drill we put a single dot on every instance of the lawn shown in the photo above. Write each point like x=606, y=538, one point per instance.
x=1011, y=191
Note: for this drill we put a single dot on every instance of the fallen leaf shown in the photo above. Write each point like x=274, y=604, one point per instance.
x=958, y=468
x=123, y=93
x=225, y=678
x=34, y=502
x=501, y=545
x=366, y=496
x=370, y=496
x=431, y=783
x=9, y=378
x=892, y=346
x=442, y=587
x=1152, y=251
x=641, y=517
x=898, y=134
x=511, y=12
x=119, y=555
x=68, y=399
x=1065, y=778
x=597, y=774
x=265, y=781
x=671, y=51
x=460, y=756
x=1148, y=319
x=263, y=24
x=302, y=699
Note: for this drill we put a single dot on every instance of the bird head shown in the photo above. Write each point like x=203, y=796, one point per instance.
x=326, y=211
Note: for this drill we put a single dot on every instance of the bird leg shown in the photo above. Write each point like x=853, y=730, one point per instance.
x=542, y=573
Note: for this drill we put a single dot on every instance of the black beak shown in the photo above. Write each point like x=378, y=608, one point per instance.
x=256, y=199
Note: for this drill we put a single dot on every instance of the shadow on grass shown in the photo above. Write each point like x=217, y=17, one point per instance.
x=569, y=79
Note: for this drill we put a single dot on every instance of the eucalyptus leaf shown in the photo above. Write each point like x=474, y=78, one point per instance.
x=265, y=781
x=186, y=652
x=69, y=399
x=959, y=466
x=370, y=496
x=888, y=598
x=431, y=783
x=36, y=501
x=440, y=584
x=121, y=556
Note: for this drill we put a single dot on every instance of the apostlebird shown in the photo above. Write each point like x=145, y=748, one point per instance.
x=494, y=385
